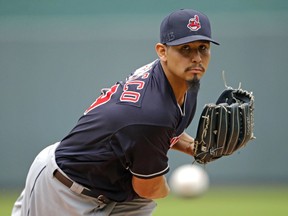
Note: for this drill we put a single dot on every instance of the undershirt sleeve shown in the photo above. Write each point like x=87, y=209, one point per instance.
x=145, y=149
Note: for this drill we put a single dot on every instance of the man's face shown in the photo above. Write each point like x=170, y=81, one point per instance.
x=187, y=62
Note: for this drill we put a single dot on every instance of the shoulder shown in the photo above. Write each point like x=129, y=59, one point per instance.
x=143, y=98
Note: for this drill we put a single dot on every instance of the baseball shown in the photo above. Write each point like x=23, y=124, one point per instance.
x=189, y=181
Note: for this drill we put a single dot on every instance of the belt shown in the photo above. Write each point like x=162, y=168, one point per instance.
x=68, y=183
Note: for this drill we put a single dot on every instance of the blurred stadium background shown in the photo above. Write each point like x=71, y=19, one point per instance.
x=56, y=55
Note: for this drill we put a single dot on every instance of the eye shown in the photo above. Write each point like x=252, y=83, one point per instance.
x=204, y=48
x=185, y=50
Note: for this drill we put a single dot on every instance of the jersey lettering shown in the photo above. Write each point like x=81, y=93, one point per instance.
x=104, y=98
x=142, y=71
x=145, y=75
x=127, y=95
x=131, y=96
x=140, y=84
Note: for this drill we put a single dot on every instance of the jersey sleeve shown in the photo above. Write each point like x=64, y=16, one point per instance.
x=145, y=149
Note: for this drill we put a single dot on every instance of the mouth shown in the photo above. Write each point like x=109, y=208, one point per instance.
x=195, y=70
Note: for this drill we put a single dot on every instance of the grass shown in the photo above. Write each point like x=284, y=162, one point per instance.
x=236, y=201
x=7, y=199
x=218, y=201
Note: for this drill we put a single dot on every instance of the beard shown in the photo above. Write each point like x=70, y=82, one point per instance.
x=194, y=84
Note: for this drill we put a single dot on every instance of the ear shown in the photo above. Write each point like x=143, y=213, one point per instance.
x=161, y=51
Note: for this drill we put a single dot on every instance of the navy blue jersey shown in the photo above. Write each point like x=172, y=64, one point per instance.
x=127, y=131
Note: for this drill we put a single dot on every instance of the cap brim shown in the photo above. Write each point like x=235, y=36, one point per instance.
x=191, y=39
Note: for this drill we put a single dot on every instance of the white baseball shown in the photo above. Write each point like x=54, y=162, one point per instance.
x=189, y=181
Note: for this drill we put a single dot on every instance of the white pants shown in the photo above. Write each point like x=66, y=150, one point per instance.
x=44, y=195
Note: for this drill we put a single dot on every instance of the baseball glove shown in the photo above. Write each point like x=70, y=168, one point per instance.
x=226, y=126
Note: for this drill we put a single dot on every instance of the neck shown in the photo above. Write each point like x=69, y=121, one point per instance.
x=179, y=86
x=181, y=100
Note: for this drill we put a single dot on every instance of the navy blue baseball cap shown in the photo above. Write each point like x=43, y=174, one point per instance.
x=185, y=26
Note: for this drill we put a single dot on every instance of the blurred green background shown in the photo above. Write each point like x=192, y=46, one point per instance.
x=56, y=55
x=218, y=201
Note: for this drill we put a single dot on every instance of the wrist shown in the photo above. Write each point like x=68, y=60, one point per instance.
x=190, y=148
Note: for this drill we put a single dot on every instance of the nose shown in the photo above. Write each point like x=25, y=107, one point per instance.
x=196, y=57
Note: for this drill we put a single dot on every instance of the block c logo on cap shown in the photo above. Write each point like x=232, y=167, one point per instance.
x=194, y=23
